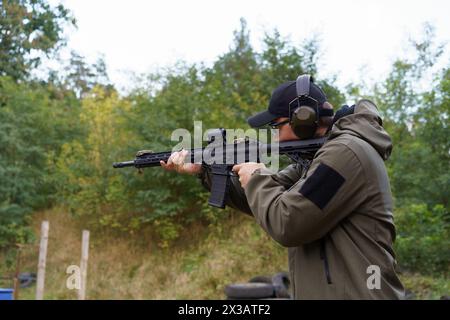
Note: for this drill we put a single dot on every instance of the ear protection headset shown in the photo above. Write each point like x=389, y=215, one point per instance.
x=304, y=111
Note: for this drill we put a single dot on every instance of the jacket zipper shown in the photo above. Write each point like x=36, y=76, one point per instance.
x=323, y=256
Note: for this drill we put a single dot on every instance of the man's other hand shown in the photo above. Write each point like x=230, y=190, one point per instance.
x=176, y=162
x=245, y=170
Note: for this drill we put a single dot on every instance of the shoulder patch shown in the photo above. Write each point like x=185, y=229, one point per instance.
x=322, y=185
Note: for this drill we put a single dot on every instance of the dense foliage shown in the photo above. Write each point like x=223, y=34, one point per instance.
x=30, y=30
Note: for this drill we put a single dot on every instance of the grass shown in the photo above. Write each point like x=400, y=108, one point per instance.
x=198, y=266
x=426, y=287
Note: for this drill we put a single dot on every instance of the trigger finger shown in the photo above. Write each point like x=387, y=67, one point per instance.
x=183, y=155
x=171, y=158
x=178, y=159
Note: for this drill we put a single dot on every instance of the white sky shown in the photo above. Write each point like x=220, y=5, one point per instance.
x=140, y=36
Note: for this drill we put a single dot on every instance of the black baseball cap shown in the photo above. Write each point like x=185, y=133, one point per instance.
x=279, y=103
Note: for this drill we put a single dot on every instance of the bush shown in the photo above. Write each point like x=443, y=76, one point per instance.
x=32, y=131
x=423, y=238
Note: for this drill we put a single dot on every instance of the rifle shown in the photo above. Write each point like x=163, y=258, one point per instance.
x=220, y=157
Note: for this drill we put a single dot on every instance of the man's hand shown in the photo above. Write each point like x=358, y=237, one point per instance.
x=176, y=163
x=245, y=170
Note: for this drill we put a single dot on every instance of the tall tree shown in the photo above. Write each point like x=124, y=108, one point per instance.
x=28, y=30
x=82, y=77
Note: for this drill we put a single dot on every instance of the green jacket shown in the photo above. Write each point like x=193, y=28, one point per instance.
x=336, y=218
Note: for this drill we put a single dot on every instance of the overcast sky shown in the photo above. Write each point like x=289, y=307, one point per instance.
x=139, y=35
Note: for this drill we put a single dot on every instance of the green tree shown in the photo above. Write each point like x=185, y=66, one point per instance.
x=232, y=86
x=29, y=29
x=417, y=121
x=432, y=157
x=82, y=77
x=84, y=176
x=33, y=126
x=280, y=61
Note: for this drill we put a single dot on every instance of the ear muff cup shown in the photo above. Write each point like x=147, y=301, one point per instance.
x=304, y=118
x=304, y=122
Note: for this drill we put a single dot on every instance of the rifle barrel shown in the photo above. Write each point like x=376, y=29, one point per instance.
x=123, y=164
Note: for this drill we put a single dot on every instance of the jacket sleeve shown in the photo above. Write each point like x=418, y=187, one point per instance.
x=333, y=187
x=237, y=198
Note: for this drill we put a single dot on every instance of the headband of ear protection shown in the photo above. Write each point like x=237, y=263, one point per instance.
x=304, y=110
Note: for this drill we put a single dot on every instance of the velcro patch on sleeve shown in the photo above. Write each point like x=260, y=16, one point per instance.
x=322, y=185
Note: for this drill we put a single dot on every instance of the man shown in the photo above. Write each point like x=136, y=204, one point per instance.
x=335, y=217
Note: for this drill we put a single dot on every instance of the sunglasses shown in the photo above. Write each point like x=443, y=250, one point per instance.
x=275, y=125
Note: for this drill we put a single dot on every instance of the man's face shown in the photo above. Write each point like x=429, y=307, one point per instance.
x=285, y=132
